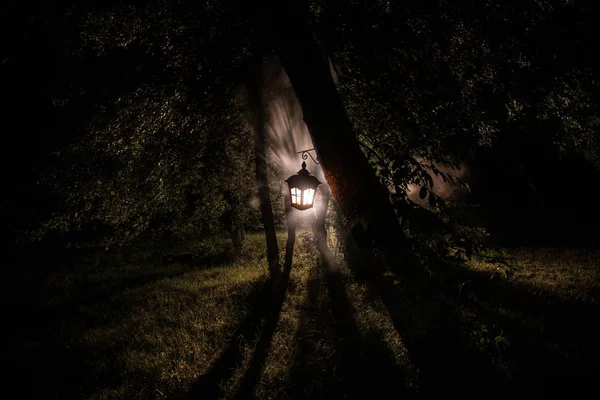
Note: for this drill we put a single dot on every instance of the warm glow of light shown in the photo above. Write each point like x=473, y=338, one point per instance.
x=308, y=197
x=296, y=196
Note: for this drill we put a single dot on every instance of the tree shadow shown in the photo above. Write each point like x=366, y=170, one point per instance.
x=445, y=356
x=271, y=312
x=470, y=334
x=48, y=350
x=308, y=378
x=88, y=295
x=548, y=336
x=261, y=322
x=266, y=303
x=56, y=361
x=364, y=361
x=448, y=361
x=524, y=298
x=364, y=366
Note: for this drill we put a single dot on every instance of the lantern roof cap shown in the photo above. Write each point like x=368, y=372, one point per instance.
x=303, y=176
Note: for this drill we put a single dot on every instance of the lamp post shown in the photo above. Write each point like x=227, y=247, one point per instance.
x=303, y=186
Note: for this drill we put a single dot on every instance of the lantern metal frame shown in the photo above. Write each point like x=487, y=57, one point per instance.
x=301, y=184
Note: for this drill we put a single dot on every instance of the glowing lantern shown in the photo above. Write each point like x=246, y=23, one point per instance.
x=303, y=187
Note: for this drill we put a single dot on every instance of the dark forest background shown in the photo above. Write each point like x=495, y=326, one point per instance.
x=534, y=184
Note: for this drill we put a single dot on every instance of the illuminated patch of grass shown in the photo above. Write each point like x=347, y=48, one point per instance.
x=533, y=312
x=139, y=331
x=154, y=328
x=569, y=274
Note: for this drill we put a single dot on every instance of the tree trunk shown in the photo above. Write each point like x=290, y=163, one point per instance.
x=320, y=230
x=291, y=221
x=362, y=199
x=237, y=238
x=255, y=87
x=230, y=220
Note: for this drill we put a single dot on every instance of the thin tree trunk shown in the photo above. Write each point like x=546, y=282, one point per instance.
x=237, y=238
x=231, y=221
x=291, y=220
x=362, y=198
x=255, y=99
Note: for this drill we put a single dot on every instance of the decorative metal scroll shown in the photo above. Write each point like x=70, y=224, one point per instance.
x=306, y=153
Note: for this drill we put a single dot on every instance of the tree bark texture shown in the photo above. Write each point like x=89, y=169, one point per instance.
x=320, y=230
x=255, y=98
x=364, y=201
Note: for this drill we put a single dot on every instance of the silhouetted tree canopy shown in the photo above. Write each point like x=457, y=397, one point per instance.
x=147, y=129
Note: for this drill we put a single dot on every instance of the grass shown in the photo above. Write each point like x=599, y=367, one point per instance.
x=111, y=327
x=568, y=274
x=536, y=314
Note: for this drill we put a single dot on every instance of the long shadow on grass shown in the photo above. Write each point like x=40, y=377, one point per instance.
x=261, y=322
x=85, y=299
x=367, y=367
x=364, y=367
x=261, y=351
x=266, y=304
x=448, y=360
x=45, y=365
x=313, y=373
x=553, y=343
x=527, y=301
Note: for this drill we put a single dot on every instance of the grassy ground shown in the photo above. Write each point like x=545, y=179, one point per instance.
x=204, y=326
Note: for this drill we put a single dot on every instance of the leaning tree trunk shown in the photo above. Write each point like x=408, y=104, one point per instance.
x=363, y=200
x=255, y=98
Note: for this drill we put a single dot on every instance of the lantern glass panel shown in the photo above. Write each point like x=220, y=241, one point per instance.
x=308, y=197
x=296, y=195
